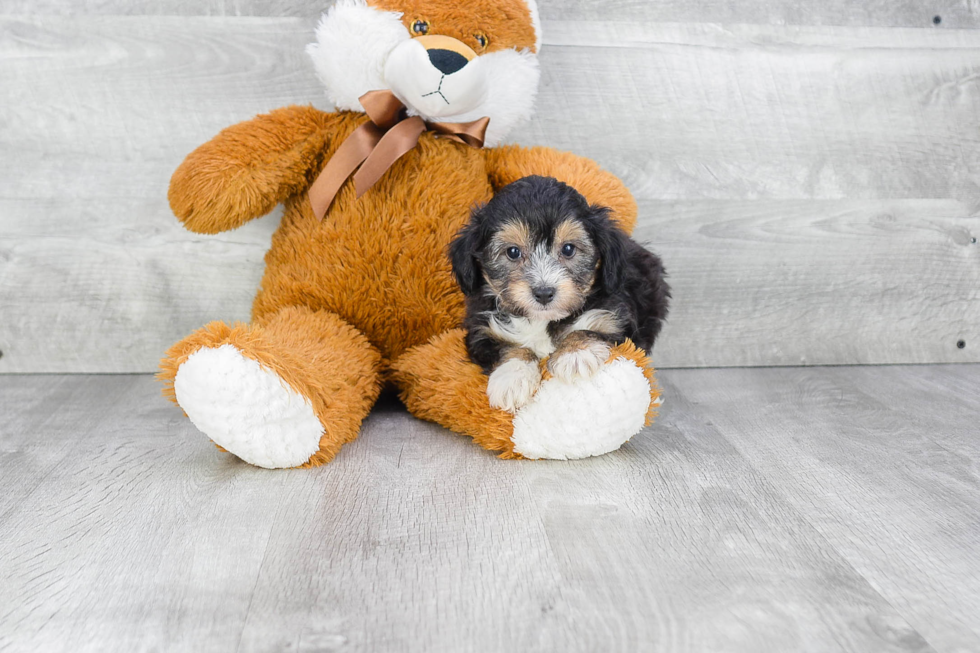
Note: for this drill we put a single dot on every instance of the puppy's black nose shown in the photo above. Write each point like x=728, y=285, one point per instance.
x=447, y=61
x=544, y=294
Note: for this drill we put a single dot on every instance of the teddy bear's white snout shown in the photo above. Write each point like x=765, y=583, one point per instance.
x=435, y=82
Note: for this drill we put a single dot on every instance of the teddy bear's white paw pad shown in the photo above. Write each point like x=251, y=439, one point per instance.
x=512, y=385
x=580, y=363
x=246, y=409
x=588, y=417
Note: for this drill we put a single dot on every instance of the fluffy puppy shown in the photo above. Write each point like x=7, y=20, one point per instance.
x=547, y=275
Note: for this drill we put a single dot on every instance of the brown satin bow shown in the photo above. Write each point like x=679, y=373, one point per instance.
x=378, y=143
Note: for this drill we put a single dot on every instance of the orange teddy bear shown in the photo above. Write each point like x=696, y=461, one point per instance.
x=358, y=290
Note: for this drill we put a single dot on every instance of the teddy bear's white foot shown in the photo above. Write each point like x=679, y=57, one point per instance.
x=586, y=417
x=246, y=409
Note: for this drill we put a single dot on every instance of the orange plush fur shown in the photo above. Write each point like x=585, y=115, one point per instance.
x=430, y=374
x=505, y=24
x=366, y=296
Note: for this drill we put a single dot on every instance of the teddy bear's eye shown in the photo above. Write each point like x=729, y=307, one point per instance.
x=482, y=40
x=420, y=27
x=513, y=253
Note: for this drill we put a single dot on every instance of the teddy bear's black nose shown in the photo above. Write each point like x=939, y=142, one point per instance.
x=447, y=61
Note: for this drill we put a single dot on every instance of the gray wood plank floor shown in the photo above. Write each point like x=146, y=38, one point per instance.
x=792, y=509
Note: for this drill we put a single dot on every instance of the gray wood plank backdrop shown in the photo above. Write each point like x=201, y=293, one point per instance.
x=809, y=170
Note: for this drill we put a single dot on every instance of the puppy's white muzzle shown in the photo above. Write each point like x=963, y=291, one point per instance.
x=436, y=76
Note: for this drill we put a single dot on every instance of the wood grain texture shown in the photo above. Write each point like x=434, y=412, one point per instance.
x=789, y=282
x=32, y=400
x=874, y=13
x=871, y=478
x=773, y=282
x=767, y=510
x=956, y=434
x=85, y=288
x=788, y=175
x=699, y=110
x=747, y=112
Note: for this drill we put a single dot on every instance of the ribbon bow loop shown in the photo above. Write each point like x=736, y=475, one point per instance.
x=375, y=146
x=383, y=108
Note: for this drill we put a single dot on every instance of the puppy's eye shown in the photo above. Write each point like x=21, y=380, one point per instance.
x=420, y=27
x=482, y=40
x=513, y=253
x=568, y=250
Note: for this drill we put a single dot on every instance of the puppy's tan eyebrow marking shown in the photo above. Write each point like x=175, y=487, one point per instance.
x=570, y=231
x=514, y=232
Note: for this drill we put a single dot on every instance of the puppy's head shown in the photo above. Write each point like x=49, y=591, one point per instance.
x=540, y=249
x=445, y=60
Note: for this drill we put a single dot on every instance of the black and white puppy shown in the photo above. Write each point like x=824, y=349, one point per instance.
x=546, y=274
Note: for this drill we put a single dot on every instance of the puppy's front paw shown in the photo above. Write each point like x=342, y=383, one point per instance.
x=512, y=385
x=578, y=359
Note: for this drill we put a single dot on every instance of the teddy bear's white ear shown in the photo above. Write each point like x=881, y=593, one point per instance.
x=532, y=6
x=353, y=41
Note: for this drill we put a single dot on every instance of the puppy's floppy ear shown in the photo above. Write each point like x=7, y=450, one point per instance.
x=612, y=245
x=463, y=252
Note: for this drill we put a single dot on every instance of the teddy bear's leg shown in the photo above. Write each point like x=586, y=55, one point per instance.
x=286, y=391
x=588, y=417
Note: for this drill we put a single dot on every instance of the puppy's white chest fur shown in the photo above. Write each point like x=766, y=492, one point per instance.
x=533, y=334
x=522, y=332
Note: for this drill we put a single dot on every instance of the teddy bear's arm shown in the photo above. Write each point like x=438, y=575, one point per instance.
x=510, y=163
x=248, y=168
